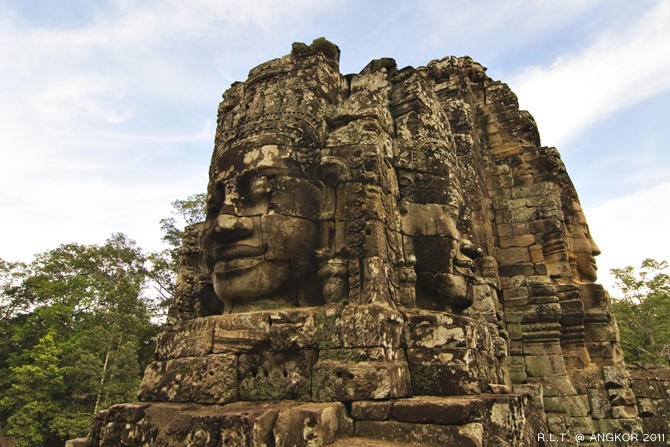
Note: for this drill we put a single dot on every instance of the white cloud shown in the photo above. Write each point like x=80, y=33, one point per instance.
x=496, y=26
x=623, y=66
x=106, y=122
x=631, y=228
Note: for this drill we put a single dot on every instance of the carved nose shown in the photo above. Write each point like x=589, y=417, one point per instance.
x=227, y=228
x=595, y=251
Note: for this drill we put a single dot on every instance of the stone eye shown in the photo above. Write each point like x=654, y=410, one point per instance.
x=215, y=199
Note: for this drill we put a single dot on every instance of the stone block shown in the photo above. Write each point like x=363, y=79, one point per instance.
x=334, y=380
x=545, y=365
x=536, y=254
x=354, y=355
x=169, y=424
x=426, y=329
x=516, y=215
x=616, y=377
x=624, y=411
x=469, y=435
x=276, y=375
x=371, y=325
x=647, y=388
x=445, y=372
x=519, y=269
x=517, y=363
x=518, y=377
x=191, y=338
x=542, y=348
x=535, y=392
x=621, y=426
x=438, y=410
x=583, y=425
x=243, y=332
x=126, y=413
x=601, y=332
x=514, y=330
x=371, y=410
x=647, y=407
x=310, y=425
x=327, y=327
x=603, y=352
x=621, y=396
x=512, y=255
x=211, y=379
x=512, y=229
x=554, y=386
x=524, y=240
x=295, y=329
x=599, y=401
x=363, y=202
x=536, y=189
x=504, y=182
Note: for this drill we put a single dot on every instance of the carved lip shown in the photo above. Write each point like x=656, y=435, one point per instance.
x=593, y=263
x=236, y=265
x=238, y=250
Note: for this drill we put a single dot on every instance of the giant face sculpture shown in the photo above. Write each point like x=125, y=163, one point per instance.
x=582, y=248
x=261, y=229
x=328, y=179
x=431, y=208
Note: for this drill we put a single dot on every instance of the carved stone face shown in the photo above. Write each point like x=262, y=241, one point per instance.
x=444, y=259
x=261, y=229
x=444, y=266
x=582, y=248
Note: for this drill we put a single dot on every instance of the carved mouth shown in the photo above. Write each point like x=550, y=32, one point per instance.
x=236, y=265
x=236, y=251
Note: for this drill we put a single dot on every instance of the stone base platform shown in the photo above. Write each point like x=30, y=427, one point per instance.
x=486, y=420
x=334, y=353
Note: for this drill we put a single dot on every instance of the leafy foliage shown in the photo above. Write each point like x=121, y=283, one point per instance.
x=643, y=311
x=166, y=263
x=76, y=333
x=78, y=327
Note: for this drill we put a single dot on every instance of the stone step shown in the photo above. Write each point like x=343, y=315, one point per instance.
x=434, y=435
x=438, y=421
x=367, y=442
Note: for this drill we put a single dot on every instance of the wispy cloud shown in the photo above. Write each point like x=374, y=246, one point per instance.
x=621, y=67
x=108, y=119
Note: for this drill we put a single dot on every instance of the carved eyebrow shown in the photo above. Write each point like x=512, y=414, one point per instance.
x=273, y=170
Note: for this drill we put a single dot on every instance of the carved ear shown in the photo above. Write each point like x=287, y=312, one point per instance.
x=327, y=211
x=334, y=170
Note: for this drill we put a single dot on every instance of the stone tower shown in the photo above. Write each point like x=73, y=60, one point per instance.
x=389, y=258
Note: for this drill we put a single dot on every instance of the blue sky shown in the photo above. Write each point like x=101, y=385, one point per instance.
x=108, y=108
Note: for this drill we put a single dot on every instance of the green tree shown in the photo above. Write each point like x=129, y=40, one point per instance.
x=165, y=263
x=31, y=398
x=13, y=298
x=643, y=311
x=88, y=307
x=78, y=326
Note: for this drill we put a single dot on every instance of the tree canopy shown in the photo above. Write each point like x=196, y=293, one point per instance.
x=77, y=328
x=643, y=311
x=76, y=333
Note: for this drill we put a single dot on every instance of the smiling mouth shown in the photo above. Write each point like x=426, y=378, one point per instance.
x=236, y=265
x=237, y=251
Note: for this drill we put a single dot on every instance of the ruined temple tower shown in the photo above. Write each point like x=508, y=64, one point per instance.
x=389, y=258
